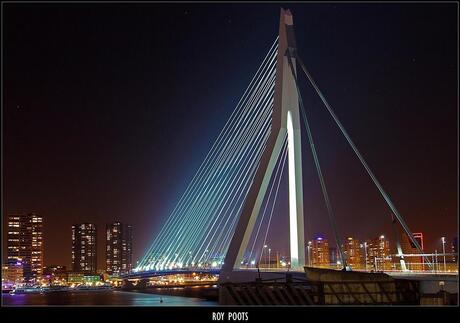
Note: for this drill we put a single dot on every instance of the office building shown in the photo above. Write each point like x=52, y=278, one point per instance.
x=13, y=273
x=119, y=259
x=353, y=253
x=320, y=253
x=378, y=254
x=365, y=261
x=25, y=243
x=55, y=273
x=84, y=248
x=454, y=249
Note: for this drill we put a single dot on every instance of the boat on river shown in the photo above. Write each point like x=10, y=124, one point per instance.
x=83, y=288
x=27, y=290
x=55, y=288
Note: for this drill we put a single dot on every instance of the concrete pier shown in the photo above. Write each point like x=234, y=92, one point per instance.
x=332, y=287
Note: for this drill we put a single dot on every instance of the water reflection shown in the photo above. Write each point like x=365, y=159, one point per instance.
x=102, y=298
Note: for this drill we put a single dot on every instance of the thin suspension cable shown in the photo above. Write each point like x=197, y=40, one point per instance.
x=179, y=212
x=363, y=162
x=222, y=137
x=221, y=165
x=220, y=170
x=228, y=235
x=274, y=200
x=201, y=226
x=242, y=176
x=218, y=216
x=236, y=190
x=330, y=211
x=268, y=199
x=272, y=50
x=166, y=257
x=179, y=243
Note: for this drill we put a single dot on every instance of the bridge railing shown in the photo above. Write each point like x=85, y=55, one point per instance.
x=390, y=267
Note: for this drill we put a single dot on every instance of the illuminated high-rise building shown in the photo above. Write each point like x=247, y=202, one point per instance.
x=454, y=249
x=25, y=243
x=378, y=253
x=118, y=249
x=55, y=272
x=353, y=252
x=365, y=263
x=84, y=248
x=13, y=273
x=320, y=252
x=412, y=262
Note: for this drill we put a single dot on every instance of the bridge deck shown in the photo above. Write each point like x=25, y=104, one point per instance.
x=439, y=276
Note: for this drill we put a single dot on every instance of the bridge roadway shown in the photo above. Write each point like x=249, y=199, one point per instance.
x=154, y=273
x=429, y=281
x=211, y=271
x=215, y=271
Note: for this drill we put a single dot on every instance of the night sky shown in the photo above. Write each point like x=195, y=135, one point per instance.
x=109, y=109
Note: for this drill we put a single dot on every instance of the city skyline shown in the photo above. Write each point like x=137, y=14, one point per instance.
x=80, y=150
x=123, y=239
x=26, y=245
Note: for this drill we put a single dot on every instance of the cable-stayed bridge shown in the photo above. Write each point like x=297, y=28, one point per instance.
x=222, y=221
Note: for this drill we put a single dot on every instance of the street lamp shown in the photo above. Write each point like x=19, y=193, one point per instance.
x=269, y=257
x=265, y=247
x=365, y=251
x=365, y=255
x=308, y=253
x=436, y=260
x=443, y=239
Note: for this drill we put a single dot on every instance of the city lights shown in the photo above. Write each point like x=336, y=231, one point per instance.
x=163, y=168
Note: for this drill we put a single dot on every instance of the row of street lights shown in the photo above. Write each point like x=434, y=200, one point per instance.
x=443, y=239
x=269, y=256
x=364, y=245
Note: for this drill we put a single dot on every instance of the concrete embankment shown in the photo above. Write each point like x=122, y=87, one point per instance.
x=331, y=287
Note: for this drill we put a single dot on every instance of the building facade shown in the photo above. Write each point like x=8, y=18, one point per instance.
x=119, y=240
x=454, y=249
x=25, y=243
x=353, y=253
x=55, y=274
x=378, y=254
x=320, y=253
x=13, y=273
x=84, y=248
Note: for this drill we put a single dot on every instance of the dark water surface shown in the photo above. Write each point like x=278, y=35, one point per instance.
x=104, y=298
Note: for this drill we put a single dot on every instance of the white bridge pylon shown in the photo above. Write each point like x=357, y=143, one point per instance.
x=285, y=119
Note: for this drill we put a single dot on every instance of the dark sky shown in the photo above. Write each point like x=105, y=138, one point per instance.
x=109, y=109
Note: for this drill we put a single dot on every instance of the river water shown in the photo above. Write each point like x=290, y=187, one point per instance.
x=102, y=298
